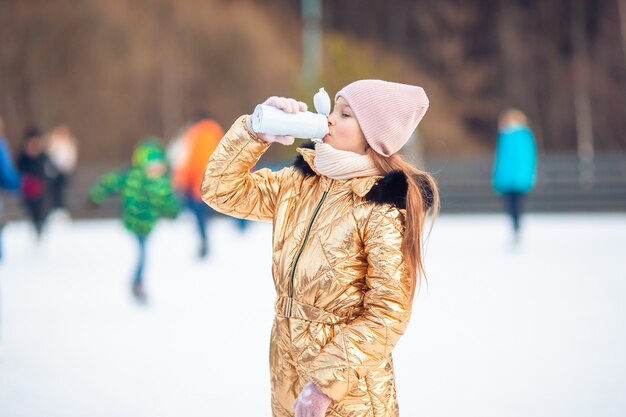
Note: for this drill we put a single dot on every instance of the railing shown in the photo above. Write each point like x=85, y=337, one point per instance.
x=562, y=184
x=465, y=187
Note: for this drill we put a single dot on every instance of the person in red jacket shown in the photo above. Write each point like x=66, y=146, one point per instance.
x=198, y=143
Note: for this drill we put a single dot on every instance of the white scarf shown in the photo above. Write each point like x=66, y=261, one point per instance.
x=342, y=165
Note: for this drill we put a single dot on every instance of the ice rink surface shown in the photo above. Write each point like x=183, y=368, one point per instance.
x=535, y=330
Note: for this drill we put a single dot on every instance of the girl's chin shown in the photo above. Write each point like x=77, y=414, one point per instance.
x=329, y=140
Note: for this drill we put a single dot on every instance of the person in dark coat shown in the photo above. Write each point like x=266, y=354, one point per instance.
x=37, y=172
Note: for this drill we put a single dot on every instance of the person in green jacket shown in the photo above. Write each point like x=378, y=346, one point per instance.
x=146, y=194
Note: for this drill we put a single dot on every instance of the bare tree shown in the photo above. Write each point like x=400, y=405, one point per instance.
x=514, y=67
x=582, y=96
x=621, y=6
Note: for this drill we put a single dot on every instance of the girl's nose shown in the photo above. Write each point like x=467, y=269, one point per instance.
x=331, y=120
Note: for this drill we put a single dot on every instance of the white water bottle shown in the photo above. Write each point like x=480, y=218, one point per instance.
x=307, y=125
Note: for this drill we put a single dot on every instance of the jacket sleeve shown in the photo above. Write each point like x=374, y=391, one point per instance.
x=106, y=185
x=363, y=344
x=533, y=156
x=229, y=186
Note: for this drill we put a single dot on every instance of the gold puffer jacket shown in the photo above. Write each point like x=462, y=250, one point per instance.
x=343, y=291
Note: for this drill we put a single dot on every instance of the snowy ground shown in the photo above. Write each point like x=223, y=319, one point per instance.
x=537, y=330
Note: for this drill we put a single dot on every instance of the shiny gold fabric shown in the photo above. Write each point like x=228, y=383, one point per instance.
x=342, y=286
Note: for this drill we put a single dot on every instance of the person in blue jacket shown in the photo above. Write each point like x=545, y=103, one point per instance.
x=515, y=163
x=9, y=178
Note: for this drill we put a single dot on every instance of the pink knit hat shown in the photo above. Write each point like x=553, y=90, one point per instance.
x=387, y=112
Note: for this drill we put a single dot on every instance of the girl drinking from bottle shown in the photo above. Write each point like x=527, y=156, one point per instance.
x=348, y=221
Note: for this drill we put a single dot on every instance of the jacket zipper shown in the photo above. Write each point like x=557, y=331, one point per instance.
x=306, y=237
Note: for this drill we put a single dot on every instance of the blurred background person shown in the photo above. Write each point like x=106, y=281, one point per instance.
x=515, y=163
x=37, y=174
x=9, y=178
x=62, y=151
x=147, y=195
x=192, y=155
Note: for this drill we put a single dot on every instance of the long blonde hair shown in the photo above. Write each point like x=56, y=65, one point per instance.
x=422, y=199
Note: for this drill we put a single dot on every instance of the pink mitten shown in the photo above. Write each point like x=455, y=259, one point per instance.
x=311, y=402
x=288, y=105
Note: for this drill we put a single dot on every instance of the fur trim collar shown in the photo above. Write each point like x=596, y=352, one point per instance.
x=301, y=164
x=391, y=188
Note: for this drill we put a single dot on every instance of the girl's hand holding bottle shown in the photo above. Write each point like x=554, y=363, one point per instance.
x=288, y=105
x=282, y=119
